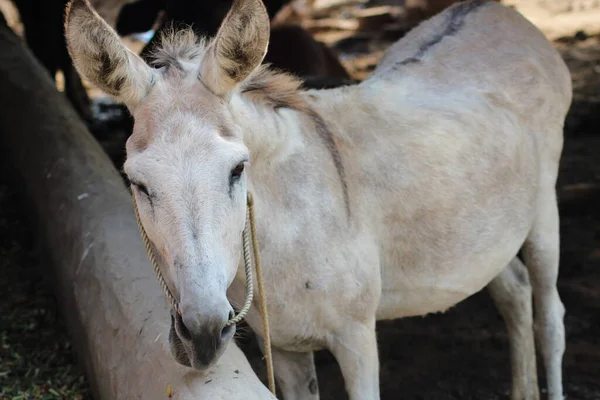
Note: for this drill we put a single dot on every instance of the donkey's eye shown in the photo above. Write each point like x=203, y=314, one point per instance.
x=142, y=188
x=237, y=172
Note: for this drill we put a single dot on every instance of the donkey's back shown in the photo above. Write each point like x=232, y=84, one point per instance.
x=486, y=48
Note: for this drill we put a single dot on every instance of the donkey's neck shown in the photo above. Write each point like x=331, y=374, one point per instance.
x=304, y=147
x=297, y=173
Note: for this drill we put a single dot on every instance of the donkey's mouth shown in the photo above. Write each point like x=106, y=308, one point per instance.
x=197, y=351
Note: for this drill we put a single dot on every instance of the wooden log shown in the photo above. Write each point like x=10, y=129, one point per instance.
x=114, y=307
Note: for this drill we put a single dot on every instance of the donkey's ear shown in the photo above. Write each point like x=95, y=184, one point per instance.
x=101, y=57
x=239, y=47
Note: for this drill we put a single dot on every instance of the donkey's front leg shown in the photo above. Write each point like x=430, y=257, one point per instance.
x=355, y=349
x=295, y=373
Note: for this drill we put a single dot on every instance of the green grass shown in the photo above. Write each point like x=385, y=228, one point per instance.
x=36, y=358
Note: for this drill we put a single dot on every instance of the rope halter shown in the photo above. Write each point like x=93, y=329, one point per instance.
x=250, y=245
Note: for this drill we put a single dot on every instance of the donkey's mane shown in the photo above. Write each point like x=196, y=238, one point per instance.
x=275, y=89
x=266, y=86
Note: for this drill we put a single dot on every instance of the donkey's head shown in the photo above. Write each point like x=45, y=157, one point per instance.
x=185, y=158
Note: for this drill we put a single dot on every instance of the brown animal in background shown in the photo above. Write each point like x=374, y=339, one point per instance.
x=291, y=48
x=43, y=23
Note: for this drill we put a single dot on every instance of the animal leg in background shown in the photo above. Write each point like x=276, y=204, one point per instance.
x=295, y=373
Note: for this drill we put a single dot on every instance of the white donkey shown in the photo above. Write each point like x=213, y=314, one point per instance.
x=400, y=196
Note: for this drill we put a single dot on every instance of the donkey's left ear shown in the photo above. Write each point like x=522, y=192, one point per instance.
x=239, y=47
x=101, y=57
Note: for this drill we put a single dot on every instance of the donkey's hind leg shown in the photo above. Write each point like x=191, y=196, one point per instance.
x=541, y=253
x=511, y=293
x=295, y=373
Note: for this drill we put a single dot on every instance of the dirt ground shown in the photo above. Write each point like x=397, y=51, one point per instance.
x=36, y=358
x=461, y=354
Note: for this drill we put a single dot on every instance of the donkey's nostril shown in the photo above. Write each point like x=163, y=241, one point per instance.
x=226, y=332
x=183, y=330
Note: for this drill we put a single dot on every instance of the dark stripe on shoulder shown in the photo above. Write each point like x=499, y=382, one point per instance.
x=327, y=136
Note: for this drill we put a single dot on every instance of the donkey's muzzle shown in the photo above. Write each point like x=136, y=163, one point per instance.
x=199, y=343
